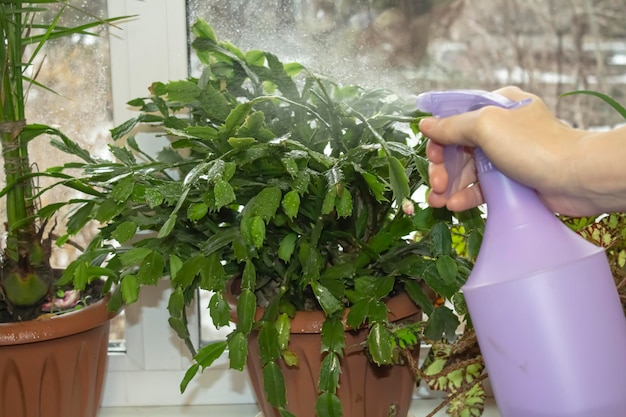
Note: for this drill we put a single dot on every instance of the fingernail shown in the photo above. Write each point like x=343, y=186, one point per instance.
x=426, y=123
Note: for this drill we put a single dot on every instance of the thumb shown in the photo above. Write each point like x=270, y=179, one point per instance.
x=448, y=130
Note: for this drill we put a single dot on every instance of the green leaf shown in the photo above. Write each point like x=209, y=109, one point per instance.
x=291, y=203
x=246, y=307
x=179, y=327
x=224, y=193
x=202, y=29
x=79, y=218
x=383, y=286
x=290, y=358
x=274, y=385
x=219, y=310
x=196, y=211
x=248, y=277
x=419, y=297
x=377, y=187
x=377, y=312
x=257, y=231
x=329, y=201
x=421, y=164
x=124, y=231
x=154, y=198
x=380, y=344
x=188, y=271
x=167, y=227
x=329, y=373
x=189, y=375
x=442, y=323
x=328, y=405
x=175, y=264
x=213, y=102
x=176, y=303
x=293, y=68
x=237, y=350
x=287, y=246
x=329, y=303
x=437, y=284
x=283, y=327
x=608, y=99
x=134, y=256
x=474, y=240
x=183, y=91
x=116, y=301
x=399, y=180
x=358, y=313
x=333, y=336
x=291, y=166
x=265, y=203
x=460, y=306
x=235, y=119
x=423, y=218
x=151, y=269
x=469, y=404
x=130, y=288
x=123, y=189
x=210, y=353
x=440, y=240
x=241, y=142
x=107, y=210
x=269, y=348
x=447, y=269
x=406, y=337
x=344, y=204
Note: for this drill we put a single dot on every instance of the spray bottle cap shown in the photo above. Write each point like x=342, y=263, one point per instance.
x=451, y=102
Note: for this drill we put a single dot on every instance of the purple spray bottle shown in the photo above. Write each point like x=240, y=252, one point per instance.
x=542, y=299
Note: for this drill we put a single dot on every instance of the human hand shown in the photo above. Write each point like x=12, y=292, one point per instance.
x=528, y=144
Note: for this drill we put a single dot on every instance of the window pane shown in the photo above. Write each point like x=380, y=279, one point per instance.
x=77, y=69
x=546, y=47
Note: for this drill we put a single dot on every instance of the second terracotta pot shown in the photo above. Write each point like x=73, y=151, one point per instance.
x=366, y=390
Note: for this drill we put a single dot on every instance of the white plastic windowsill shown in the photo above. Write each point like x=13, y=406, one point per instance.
x=419, y=408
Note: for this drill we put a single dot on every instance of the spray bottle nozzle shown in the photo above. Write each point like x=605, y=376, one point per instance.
x=451, y=102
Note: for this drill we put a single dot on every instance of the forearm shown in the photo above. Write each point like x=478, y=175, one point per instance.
x=600, y=169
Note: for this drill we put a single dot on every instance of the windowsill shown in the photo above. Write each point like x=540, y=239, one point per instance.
x=419, y=408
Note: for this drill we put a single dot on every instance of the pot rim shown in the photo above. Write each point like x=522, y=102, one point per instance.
x=56, y=326
x=400, y=306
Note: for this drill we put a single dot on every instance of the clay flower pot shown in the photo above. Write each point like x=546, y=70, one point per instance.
x=366, y=390
x=54, y=367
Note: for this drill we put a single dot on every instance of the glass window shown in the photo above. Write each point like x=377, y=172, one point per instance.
x=76, y=68
x=546, y=47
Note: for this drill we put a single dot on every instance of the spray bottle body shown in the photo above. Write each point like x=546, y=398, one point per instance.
x=545, y=308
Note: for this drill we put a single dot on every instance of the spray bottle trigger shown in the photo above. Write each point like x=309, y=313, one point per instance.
x=453, y=161
x=452, y=102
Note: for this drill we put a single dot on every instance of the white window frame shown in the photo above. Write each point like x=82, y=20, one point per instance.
x=153, y=47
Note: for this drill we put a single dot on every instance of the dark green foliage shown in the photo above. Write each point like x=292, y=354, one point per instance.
x=286, y=180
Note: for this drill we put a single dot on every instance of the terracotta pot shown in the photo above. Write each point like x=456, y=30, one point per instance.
x=54, y=367
x=366, y=390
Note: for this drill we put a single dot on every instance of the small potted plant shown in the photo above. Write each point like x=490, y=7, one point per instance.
x=50, y=363
x=283, y=193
